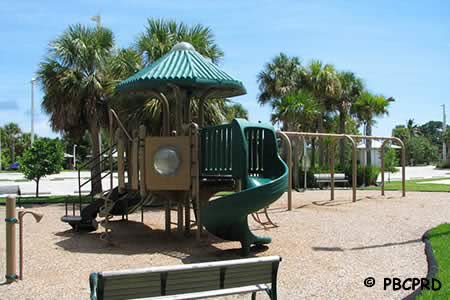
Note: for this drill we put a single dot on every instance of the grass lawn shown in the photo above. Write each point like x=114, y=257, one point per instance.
x=414, y=186
x=48, y=199
x=440, y=241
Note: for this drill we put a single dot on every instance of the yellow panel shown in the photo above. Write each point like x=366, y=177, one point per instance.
x=181, y=181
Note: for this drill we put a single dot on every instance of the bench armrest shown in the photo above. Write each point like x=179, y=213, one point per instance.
x=93, y=283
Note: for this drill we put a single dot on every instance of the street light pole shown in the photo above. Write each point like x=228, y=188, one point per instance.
x=97, y=19
x=74, y=156
x=444, y=131
x=33, y=80
x=0, y=149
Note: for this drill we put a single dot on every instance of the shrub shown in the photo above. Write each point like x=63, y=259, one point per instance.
x=365, y=174
x=443, y=164
x=421, y=151
x=310, y=181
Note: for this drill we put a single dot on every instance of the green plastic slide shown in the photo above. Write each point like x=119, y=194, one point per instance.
x=264, y=175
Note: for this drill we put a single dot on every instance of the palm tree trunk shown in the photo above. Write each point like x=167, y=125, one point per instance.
x=368, y=144
x=96, y=183
x=342, y=119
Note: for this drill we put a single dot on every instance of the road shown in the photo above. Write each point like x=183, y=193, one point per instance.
x=64, y=183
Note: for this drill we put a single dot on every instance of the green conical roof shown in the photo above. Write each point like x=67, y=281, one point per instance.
x=186, y=68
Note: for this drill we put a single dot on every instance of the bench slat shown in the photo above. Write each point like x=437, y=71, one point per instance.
x=210, y=294
x=197, y=266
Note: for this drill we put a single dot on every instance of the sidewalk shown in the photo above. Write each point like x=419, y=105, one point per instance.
x=422, y=172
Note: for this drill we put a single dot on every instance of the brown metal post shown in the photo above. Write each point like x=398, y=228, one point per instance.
x=287, y=142
x=180, y=224
x=120, y=161
x=134, y=161
x=167, y=213
x=403, y=159
x=196, y=177
x=354, y=167
x=111, y=143
x=11, y=221
x=187, y=214
x=20, y=246
x=332, y=145
x=382, y=166
x=403, y=171
x=142, y=133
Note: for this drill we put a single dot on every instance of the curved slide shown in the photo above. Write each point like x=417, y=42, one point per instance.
x=226, y=217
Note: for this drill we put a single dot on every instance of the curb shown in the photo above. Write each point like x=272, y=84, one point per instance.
x=432, y=265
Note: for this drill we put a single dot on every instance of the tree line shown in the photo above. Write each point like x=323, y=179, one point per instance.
x=424, y=142
x=317, y=97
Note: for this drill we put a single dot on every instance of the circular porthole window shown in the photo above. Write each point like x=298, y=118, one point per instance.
x=166, y=161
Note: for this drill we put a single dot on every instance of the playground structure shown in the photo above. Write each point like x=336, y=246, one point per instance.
x=185, y=166
x=285, y=136
x=188, y=164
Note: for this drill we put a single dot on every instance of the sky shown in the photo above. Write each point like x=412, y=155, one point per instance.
x=401, y=49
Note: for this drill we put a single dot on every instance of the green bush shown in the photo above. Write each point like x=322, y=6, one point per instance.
x=421, y=151
x=310, y=181
x=365, y=174
x=443, y=164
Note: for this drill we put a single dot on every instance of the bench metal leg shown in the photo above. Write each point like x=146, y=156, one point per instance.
x=254, y=296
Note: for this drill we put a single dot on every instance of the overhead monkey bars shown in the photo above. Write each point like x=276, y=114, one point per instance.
x=352, y=138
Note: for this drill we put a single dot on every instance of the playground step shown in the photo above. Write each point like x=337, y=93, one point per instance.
x=69, y=219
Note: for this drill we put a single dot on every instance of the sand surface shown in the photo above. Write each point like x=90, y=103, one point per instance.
x=328, y=248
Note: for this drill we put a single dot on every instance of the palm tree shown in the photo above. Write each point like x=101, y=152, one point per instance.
x=11, y=136
x=413, y=128
x=234, y=110
x=161, y=35
x=367, y=107
x=323, y=81
x=351, y=88
x=278, y=78
x=296, y=111
x=75, y=84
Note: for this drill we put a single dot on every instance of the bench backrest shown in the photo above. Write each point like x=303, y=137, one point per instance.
x=183, y=279
x=10, y=190
x=328, y=176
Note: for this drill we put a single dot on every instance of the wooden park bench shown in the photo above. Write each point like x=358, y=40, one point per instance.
x=13, y=190
x=325, y=178
x=190, y=281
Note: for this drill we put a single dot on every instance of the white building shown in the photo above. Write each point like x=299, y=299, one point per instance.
x=374, y=152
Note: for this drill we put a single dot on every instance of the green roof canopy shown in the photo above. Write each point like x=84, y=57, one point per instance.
x=188, y=69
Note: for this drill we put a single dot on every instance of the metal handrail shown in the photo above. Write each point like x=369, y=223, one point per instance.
x=97, y=178
x=95, y=157
x=116, y=117
x=94, y=182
